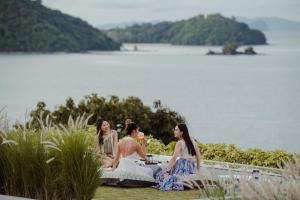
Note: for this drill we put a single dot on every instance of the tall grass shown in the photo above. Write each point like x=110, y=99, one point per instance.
x=23, y=160
x=3, y=120
x=271, y=189
x=247, y=187
x=52, y=163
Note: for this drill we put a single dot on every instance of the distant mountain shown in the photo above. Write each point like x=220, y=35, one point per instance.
x=123, y=25
x=200, y=30
x=28, y=26
x=117, y=25
x=271, y=24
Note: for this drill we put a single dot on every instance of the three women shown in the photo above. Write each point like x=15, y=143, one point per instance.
x=185, y=159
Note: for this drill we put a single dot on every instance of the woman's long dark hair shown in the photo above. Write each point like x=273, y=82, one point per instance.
x=187, y=139
x=130, y=127
x=99, y=123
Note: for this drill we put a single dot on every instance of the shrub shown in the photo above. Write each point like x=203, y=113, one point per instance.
x=155, y=147
x=229, y=153
x=49, y=163
x=158, y=121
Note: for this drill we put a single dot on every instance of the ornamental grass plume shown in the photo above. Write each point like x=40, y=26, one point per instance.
x=53, y=162
x=268, y=188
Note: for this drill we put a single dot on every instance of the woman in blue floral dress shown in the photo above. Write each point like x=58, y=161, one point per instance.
x=188, y=163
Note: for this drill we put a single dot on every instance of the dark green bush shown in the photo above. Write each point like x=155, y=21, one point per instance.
x=159, y=121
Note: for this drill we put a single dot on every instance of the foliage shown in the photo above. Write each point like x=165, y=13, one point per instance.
x=154, y=146
x=28, y=26
x=199, y=30
x=158, y=122
x=56, y=163
x=252, y=156
x=230, y=153
x=49, y=163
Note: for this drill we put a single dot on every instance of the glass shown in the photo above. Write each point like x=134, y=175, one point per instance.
x=140, y=136
x=149, y=158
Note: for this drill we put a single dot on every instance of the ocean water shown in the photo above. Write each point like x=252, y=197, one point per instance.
x=250, y=101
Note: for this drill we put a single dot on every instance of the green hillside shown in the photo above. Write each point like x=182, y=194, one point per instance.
x=200, y=30
x=28, y=26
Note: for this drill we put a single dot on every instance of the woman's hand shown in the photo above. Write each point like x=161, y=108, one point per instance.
x=114, y=165
x=144, y=141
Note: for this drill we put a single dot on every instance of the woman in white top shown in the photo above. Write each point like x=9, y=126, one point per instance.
x=129, y=152
x=188, y=163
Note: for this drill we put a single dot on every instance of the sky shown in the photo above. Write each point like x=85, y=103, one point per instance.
x=102, y=12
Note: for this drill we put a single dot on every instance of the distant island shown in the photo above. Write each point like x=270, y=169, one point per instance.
x=266, y=24
x=28, y=26
x=200, y=30
x=231, y=49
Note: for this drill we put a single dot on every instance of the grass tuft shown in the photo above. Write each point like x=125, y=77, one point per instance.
x=50, y=163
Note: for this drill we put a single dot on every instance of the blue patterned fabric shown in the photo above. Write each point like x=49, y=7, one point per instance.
x=182, y=167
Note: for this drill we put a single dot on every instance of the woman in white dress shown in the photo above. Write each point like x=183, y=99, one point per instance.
x=129, y=153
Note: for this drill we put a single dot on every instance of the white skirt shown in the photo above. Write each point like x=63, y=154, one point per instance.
x=134, y=166
x=130, y=169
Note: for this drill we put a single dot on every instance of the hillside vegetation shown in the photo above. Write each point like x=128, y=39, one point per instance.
x=28, y=26
x=200, y=30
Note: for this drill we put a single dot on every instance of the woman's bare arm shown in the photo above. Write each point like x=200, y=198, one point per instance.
x=141, y=150
x=198, y=156
x=174, y=157
x=116, y=159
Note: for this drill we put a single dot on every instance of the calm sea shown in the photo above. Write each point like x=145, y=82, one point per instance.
x=250, y=101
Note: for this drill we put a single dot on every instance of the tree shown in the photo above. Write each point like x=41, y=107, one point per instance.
x=159, y=121
x=40, y=112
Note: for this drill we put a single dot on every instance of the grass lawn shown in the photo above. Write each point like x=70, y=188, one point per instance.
x=115, y=193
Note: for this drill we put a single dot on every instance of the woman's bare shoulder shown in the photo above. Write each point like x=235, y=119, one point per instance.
x=179, y=144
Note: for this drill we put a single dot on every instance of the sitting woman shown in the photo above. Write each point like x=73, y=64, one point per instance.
x=107, y=141
x=189, y=156
x=129, y=153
